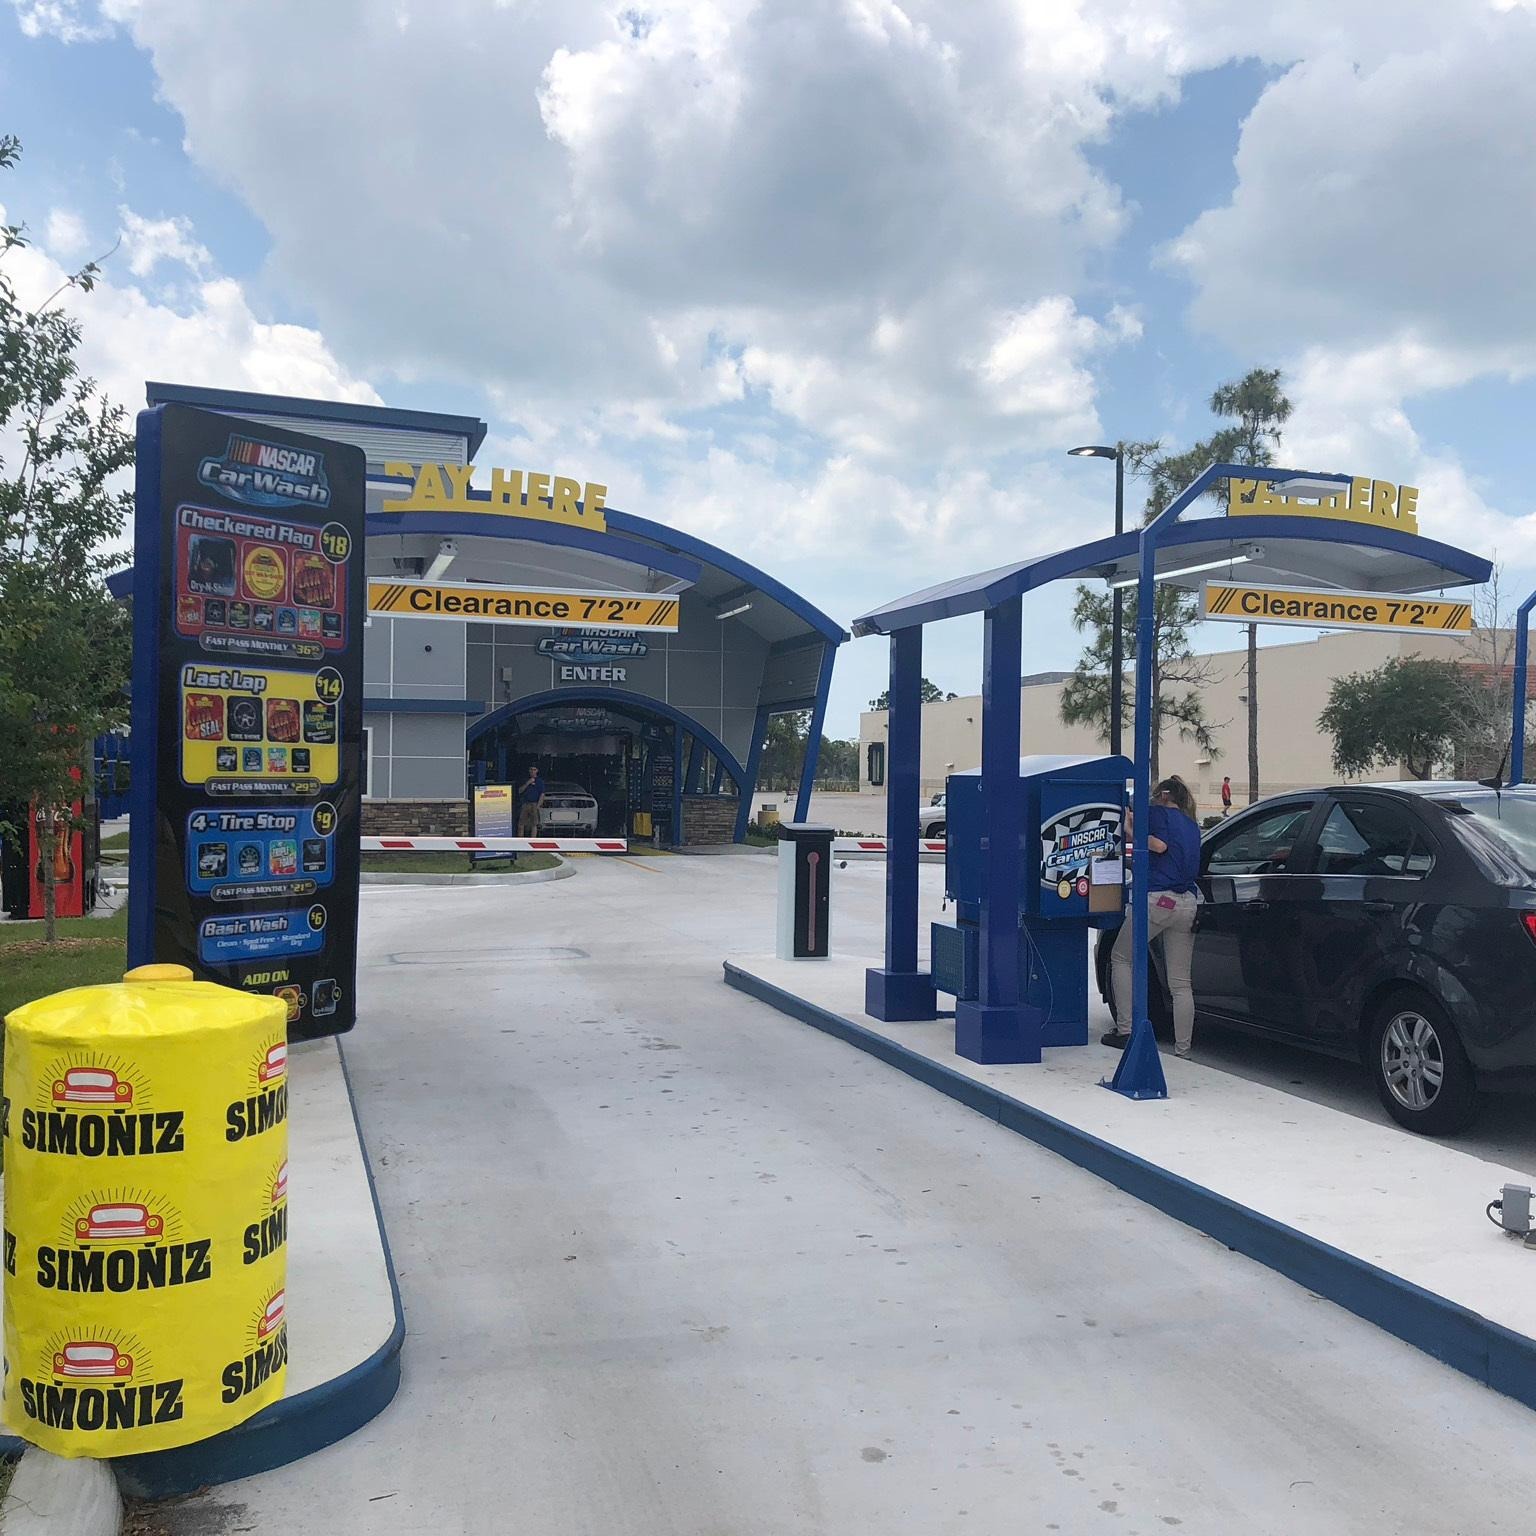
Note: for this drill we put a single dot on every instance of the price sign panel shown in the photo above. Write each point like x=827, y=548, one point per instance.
x=247, y=709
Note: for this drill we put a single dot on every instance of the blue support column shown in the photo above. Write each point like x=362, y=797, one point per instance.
x=898, y=991
x=696, y=752
x=718, y=781
x=677, y=786
x=813, y=735
x=143, y=786
x=997, y=1025
x=1517, y=701
x=1140, y=1072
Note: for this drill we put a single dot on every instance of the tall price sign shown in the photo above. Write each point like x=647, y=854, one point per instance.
x=247, y=709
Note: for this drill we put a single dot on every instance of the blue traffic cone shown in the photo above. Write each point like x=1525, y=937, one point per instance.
x=1140, y=1073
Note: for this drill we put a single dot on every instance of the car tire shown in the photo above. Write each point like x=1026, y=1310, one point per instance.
x=936, y=830
x=1422, y=1074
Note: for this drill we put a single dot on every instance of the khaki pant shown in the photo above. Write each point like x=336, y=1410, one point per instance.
x=528, y=821
x=1176, y=924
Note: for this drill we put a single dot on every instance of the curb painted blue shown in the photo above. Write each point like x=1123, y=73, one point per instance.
x=295, y=1426
x=1494, y=1355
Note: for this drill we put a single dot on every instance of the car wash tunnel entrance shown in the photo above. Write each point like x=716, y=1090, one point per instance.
x=609, y=769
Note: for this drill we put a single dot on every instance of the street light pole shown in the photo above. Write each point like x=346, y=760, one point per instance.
x=1117, y=601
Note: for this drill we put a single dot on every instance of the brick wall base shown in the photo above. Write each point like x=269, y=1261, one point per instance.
x=424, y=818
x=708, y=819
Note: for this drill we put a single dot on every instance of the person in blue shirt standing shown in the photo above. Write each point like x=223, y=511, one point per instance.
x=529, y=794
x=1173, y=868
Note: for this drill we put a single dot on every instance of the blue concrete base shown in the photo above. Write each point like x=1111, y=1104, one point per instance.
x=996, y=1035
x=1480, y=1348
x=900, y=997
x=293, y=1426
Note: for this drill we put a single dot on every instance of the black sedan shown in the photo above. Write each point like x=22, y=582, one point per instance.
x=1393, y=924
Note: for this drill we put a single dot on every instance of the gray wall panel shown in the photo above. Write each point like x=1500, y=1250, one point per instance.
x=429, y=736
x=427, y=778
x=417, y=672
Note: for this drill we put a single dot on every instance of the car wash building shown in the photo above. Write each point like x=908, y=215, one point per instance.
x=515, y=618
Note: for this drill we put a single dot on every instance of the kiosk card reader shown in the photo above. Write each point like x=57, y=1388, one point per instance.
x=1072, y=874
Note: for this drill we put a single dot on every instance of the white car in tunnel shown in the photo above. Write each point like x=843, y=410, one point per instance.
x=568, y=808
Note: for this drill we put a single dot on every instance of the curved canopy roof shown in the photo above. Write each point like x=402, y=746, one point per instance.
x=1279, y=550
x=634, y=554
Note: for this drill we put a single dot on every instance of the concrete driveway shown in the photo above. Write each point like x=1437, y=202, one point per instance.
x=674, y=1265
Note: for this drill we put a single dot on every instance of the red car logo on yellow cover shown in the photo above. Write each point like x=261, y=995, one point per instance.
x=280, y=1184
x=273, y=1064
x=91, y=1085
x=93, y=1359
x=119, y=1223
x=272, y=1318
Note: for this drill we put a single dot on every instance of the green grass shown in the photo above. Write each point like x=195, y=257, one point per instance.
x=90, y=950
x=454, y=864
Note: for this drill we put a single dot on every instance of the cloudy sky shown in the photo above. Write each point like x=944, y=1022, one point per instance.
x=834, y=283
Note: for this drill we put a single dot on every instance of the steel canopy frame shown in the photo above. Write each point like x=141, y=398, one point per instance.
x=1320, y=549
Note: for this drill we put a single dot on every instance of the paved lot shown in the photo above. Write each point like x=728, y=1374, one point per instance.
x=675, y=1264
x=848, y=813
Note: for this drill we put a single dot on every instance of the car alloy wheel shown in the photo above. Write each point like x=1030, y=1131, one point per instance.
x=1412, y=1060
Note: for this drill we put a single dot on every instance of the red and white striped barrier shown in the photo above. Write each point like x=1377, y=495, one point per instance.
x=878, y=845
x=494, y=845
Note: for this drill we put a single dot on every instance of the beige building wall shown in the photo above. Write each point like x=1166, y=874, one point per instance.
x=1293, y=688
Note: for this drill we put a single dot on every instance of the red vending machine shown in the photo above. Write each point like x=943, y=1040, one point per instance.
x=70, y=847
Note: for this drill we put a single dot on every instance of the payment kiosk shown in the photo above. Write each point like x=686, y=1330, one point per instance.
x=1071, y=879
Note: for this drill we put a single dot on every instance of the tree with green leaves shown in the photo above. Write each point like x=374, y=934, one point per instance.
x=1257, y=409
x=1408, y=711
x=64, y=642
x=783, y=749
x=928, y=693
x=1260, y=409
x=838, y=762
x=1179, y=677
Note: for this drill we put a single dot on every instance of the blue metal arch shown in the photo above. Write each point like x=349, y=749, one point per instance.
x=616, y=697
x=712, y=554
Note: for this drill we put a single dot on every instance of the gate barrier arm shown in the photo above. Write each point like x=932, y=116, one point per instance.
x=494, y=844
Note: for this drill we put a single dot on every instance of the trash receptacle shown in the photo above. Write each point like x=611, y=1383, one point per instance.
x=805, y=871
x=146, y=1215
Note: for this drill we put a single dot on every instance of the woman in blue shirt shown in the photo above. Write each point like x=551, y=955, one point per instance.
x=1173, y=867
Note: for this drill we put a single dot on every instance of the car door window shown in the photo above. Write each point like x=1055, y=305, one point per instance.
x=1263, y=845
x=1372, y=838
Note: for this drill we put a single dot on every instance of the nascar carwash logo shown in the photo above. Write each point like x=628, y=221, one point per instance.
x=267, y=474
x=1072, y=839
x=593, y=644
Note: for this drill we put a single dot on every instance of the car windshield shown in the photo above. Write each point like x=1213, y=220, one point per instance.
x=564, y=789
x=1506, y=821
